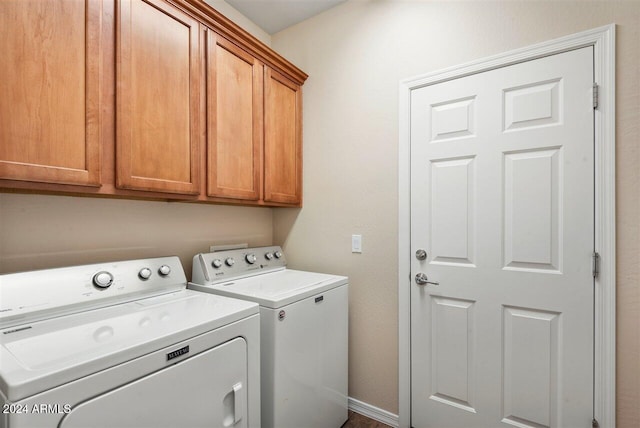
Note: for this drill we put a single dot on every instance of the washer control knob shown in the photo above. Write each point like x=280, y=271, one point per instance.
x=103, y=279
x=278, y=254
x=216, y=263
x=268, y=256
x=230, y=262
x=164, y=270
x=144, y=274
x=251, y=258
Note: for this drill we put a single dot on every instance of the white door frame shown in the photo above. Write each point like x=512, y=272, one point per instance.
x=603, y=41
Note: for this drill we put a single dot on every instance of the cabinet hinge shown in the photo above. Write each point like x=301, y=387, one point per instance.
x=595, y=95
x=595, y=424
x=595, y=264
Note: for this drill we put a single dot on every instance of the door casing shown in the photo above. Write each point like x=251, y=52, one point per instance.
x=603, y=41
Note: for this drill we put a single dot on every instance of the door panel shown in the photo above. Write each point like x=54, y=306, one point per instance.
x=452, y=120
x=452, y=211
x=158, y=98
x=452, y=346
x=530, y=368
x=532, y=105
x=532, y=209
x=502, y=201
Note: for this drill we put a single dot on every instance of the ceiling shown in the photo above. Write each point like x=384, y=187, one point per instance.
x=275, y=15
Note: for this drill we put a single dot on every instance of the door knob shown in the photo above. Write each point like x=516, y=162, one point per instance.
x=421, y=279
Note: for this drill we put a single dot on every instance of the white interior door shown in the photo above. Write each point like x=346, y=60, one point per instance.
x=502, y=201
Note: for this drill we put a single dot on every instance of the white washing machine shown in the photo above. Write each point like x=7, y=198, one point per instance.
x=125, y=344
x=304, y=329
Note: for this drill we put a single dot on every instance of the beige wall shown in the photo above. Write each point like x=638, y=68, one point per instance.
x=39, y=231
x=233, y=14
x=356, y=55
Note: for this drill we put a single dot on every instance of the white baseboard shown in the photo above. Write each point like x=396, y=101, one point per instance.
x=373, y=412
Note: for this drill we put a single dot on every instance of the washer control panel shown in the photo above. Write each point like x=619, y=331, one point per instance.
x=229, y=264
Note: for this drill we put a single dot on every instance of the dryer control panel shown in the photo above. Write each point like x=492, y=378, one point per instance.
x=219, y=266
x=35, y=295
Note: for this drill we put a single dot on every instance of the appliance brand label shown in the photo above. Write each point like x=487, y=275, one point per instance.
x=177, y=353
x=15, y=330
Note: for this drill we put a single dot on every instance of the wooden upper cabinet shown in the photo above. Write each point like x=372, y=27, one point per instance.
x=158, y=134
x=50, y=85
x=282, y=139
x=146, y=98
x=234, y=121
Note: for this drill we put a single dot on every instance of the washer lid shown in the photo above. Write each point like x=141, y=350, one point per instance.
x=42, y=355
x=277, y=289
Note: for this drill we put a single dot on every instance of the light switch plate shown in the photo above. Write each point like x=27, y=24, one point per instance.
x=356, y=243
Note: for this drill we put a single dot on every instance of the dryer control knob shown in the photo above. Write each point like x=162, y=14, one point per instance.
x=145, y=273
x=216, y=263
x=251, y=258
x=268, y=256
x=278, y=254
x=230, y=262
x=103, y=279
x=164, y=270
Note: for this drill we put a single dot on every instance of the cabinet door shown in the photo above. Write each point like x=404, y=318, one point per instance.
x=234, y=121
x=282, y=140
x=50, y=91
x=158, y=98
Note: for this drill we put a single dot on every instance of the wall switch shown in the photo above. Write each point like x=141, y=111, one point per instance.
x=356, y=243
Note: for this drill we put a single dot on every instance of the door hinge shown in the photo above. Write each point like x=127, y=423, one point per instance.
x=595, y=264
x=595, y=424
x=595, y=95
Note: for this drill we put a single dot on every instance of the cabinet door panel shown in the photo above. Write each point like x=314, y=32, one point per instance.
x=234, y=119
x=158, y=104
x=50, y=85
x=283, y=140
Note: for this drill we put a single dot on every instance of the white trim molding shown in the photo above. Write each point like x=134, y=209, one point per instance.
x=603, y=41
x=373, y=412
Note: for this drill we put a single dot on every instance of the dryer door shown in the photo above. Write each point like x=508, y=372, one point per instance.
x=209, y=389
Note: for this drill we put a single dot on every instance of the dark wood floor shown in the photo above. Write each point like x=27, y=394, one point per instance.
x=357, y=420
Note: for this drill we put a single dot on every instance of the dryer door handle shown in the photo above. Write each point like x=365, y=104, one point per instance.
x=238, y=402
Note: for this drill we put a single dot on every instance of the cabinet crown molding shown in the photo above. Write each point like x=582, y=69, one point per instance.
x=223, y=25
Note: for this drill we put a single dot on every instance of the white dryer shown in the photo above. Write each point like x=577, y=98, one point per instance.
x=304, y=328
x=125, y=344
